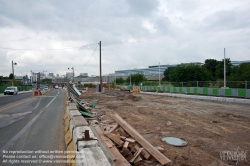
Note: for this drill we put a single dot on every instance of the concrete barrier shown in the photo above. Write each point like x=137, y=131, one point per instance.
x=79, y=138
x=211, y=98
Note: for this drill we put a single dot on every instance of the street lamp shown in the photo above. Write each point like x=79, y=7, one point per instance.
x=73, y=73
x=130, y=77
x=13, y=78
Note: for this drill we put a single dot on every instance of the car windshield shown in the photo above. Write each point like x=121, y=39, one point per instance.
x=9, y=88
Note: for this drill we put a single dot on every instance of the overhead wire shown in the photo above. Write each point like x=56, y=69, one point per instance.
x=17, y=49
x=88, y=59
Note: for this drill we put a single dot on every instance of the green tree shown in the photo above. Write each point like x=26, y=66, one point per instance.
x=16, y=83
x=46, y=81
x=119, y=80
x=240, y=73
x=1, y=80
x=191, y=72
x=11, y=76
x=220, y=68
x=210, y=65
x=167, y=73
x=136, y=78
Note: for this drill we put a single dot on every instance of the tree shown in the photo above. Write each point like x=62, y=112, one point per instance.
x=119, y=80
x=46, y=81
x=136, y=78
x=191, y=72
x=16, y=83
x=240, y=73
x=210, y=65
x=11, y=76
x=167, y=73
x=1, y=80
x=220, y=68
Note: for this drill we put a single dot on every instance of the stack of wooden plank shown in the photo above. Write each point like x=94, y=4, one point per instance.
x=133, y=147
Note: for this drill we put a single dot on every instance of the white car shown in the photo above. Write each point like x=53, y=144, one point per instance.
x=11, y=90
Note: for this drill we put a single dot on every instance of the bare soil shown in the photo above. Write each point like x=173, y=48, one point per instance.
x=209, y=127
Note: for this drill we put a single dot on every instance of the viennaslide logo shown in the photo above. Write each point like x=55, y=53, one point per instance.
x=233, y=155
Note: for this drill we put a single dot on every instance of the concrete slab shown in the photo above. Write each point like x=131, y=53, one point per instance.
x=80, y=121
x=74, y=113
x=214, y=98
x=79, y=133
x=247, y=101
x=87, y=144
x=221, y=99
x=230, y=100
x=239, y=100
x=92, y=156
x=72, y=106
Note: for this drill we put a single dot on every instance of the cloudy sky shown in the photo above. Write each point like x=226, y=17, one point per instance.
x=50, y=36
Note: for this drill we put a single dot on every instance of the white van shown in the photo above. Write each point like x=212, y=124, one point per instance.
x=11, y=90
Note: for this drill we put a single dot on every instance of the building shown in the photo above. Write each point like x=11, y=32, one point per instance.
x=69, y=74
x=51, y=75
x=146, y=71
x=237, y=63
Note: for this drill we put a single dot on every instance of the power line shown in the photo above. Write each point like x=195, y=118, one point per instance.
x=89, y=59
x=17, y=49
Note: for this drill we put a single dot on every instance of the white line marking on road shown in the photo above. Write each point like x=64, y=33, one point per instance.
x=50, y=102
x=19, y=134
x=37, y=104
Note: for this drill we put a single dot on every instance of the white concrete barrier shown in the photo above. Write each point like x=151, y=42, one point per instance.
x=212, y=98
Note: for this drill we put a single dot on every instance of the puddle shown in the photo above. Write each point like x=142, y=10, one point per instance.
x=175, y=141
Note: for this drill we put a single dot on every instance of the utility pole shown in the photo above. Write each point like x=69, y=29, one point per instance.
x=13, y=78
x=100, y=67
x=130, y=77
x=224, y=67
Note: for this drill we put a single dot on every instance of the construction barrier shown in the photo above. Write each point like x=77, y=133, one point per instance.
x=79, y=138
x=219, y=92
x=212, y=98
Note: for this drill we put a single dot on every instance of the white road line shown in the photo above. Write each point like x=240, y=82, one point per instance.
x=18, y=135
x=50, y=102
x=37, y=104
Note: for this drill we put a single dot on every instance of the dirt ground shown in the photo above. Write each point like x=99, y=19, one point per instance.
x=209, y=127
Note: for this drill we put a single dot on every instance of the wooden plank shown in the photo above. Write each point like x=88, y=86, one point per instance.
x=113, y=128
x=136, y=155
x=138, y=161
x=106, y=142
x=144, y=152
x=142, y=141
x=130, y=140
x=114, y=138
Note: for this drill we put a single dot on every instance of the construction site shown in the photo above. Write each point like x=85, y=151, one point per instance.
x=132, y=127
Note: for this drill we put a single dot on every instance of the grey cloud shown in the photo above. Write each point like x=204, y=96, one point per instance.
x=227, y=19
x=143, y=7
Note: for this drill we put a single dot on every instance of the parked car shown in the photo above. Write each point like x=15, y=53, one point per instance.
x=11, y=90
x=45, y=88
x=56, y=87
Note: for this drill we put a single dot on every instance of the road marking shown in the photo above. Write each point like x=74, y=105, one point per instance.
x=18, y=135
x=50, y=102
x=7, y=106
x=37, y=104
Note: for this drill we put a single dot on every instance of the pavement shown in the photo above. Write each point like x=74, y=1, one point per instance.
x=33, y=125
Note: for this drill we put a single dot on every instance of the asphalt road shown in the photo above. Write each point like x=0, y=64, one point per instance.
x=12, y=98
x=33, y=126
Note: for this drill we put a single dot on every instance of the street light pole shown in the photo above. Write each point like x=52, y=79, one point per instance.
x=130, y=77
x=13, y=78
x=159, y=75
x=224, y=67
x=73, y=73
